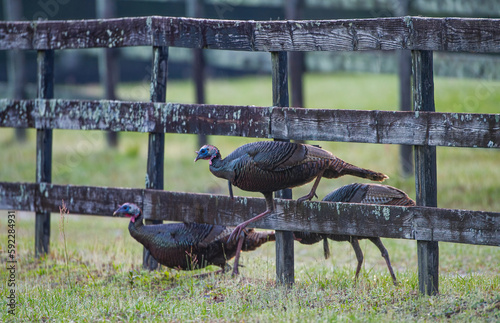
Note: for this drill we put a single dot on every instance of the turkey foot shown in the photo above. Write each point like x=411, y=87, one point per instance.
x=312, y=193
x=307, y=197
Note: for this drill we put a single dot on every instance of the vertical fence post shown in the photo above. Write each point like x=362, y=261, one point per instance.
x=284, y=239
x=425, y=170
x=45, y=84
x=194, y=8
x=156, y=145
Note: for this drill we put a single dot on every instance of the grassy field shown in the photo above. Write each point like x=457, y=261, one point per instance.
x=93, y=272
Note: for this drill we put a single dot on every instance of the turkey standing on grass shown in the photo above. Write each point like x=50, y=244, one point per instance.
x=269, y=166
x=190, y=246
x=366, y=194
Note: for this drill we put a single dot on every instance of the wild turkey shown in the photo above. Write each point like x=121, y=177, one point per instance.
x=269, y=166
x=366, y=194
x=189, y=246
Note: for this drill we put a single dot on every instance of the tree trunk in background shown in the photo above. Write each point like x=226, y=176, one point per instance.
x=108, y=63
x=405, y=98
x=16, y=72
x=293, y=10
x=194, y=8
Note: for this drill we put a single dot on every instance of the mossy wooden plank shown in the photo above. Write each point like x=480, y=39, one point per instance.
x=416, y=33
x=368, y=126
x=387, y=127
x=417, y=223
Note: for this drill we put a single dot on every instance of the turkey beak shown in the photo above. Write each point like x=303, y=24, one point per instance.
x=197, y=156
x=117, y=212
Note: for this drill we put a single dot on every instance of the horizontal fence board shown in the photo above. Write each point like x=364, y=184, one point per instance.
x=17, y=113
x=18, y=196
x=388, y=127
x=66, y=34
x=204, y=33
x=367, y=126
x=416, y=33
x=333, y=35
x=246, y=121
x=419, y=223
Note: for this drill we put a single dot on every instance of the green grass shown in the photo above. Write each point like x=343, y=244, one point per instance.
x=103, y=280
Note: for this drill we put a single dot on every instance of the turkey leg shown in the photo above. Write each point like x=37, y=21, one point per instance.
x=359, y=256
x=312, y=193
x=237, y=256
x=385, y=254
x=270, y=208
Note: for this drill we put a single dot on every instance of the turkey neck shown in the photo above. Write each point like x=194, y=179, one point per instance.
x=221, y=168
x=136, y=227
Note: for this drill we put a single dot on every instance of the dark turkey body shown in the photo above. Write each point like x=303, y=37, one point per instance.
x=358, y=193
x=269, y=166
x=189, y=246
x=370, y=194
x=248, y=178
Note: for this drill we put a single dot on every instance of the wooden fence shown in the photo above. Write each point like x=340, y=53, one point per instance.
x=423, y=128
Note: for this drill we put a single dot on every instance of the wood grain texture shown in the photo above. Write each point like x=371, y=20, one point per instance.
x=156, y=140
x=394, y=127
x=246, y=121
x=425, y=170
x=385, y=127
x=425, y=156
x=416, y=33
x=418, y=223
x=285, y=271
x=45, y=90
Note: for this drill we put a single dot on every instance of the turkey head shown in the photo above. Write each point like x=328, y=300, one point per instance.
x=129, y=210
x=208, y=152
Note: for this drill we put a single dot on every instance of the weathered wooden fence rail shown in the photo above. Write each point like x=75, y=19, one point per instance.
x=366, y=126
x=417, y=223
x=413, y=33
x=423, y=128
